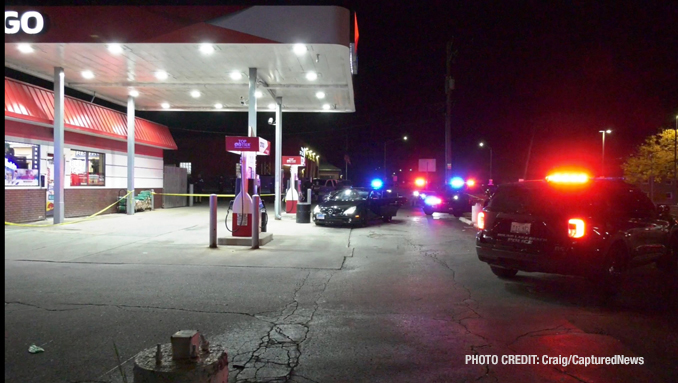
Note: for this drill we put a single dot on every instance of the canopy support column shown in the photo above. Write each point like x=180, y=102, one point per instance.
x=130, y=155
x=59, y=163
x=278, y=155
x=252, y=123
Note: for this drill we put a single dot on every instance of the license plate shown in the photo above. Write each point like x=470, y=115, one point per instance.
x=520, y=228
x=320, y=216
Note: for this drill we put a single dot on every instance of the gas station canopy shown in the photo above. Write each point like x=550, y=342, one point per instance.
x=191, y=58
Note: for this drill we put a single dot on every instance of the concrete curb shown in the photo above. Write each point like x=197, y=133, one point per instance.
x=466, y=221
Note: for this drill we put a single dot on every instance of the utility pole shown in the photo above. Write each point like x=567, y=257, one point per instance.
x=345, y=154
x=529, y=150
x=449, y=86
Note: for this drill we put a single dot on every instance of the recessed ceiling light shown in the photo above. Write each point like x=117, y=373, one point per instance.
x=25, y=48
x=134, y=93
x=311, y=76
x=235, y=75
x=218, y=106
x=258, y=94
x=271, y=106
x=299, y=49
x=87, y=74
x=206, y=49
x=161, y=75
x=195, y=94
x=326, y=106
x=165, y=105
x=320, y=95
x=115, y=48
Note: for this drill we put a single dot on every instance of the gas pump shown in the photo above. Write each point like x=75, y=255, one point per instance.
x=292, y=194
x=242, y=204
x=243, y=207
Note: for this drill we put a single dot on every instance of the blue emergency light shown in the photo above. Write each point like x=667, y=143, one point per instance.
x=377, y=183
x=457, y=182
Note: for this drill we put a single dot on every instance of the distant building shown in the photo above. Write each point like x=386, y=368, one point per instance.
x=327, y=170
x=660, y=192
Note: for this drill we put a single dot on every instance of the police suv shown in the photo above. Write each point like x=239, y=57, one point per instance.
x=575, y=225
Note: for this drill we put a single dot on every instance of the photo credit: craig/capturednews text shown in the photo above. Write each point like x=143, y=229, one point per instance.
x=559, y=360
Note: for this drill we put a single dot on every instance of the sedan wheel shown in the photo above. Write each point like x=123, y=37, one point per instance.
x=613, y=267
x=428, y=211
x=503, y=272
x=669, y=262
x=362, y=222
x=387, y=219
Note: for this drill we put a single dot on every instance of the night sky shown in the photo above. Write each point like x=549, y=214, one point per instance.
x=555, y=71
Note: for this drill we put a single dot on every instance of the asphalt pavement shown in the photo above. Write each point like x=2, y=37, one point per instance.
x=399, y=302
x=107, y=253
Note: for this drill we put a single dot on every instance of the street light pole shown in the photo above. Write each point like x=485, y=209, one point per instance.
x=482, y=144
x=602, y=167
x=404, y=138
x=490, y=164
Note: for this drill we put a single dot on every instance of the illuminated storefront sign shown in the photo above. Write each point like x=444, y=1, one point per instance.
x=293, y=160
x=237, y=144
x=30, y=22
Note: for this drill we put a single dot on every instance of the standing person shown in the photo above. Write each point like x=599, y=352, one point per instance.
x=199, y=187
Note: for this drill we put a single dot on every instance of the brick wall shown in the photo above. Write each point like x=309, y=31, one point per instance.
x=25, y=205
x=84, y=202
x=28, y=205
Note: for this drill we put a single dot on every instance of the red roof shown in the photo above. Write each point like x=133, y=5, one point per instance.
x=35, y=105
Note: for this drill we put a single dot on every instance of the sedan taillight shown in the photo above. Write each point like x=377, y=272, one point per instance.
x=575, y=228
x=481, y=220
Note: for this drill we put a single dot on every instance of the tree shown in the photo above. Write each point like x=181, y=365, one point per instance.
x=653, y=158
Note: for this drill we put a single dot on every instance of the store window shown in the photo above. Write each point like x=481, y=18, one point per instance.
x=87, y=168
x=22, y=164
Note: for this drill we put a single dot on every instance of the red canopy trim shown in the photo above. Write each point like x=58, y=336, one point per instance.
x=35, y=105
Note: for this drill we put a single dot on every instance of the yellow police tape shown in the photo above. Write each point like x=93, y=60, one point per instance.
x=207, y=195
x=68, y=223
x=115, y=203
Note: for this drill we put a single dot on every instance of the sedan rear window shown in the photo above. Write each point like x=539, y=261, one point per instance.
x=348, y=195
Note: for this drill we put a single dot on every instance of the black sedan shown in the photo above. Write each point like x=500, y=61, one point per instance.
x=357, y=206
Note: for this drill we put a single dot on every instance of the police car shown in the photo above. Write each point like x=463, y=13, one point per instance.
x=575, y=225
x=453, y=199
x=455, y=202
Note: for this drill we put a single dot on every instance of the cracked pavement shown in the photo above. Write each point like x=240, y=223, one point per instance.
x=406, y=301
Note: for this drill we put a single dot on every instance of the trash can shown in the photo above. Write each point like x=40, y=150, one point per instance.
x=304, y=213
